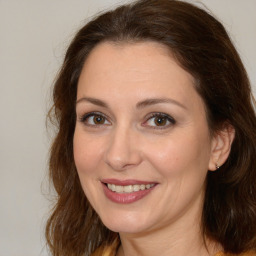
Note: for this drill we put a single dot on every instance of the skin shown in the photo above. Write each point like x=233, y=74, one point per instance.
x=126, y=143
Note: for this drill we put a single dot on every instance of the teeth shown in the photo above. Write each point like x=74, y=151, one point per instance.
x=142, y=187
x=129, y=188
x=119, y=189
x=136, y=188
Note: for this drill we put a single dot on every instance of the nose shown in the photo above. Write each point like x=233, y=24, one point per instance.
x=123, y=149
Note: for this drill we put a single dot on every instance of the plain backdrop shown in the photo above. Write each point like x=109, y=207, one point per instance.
x=33, y=37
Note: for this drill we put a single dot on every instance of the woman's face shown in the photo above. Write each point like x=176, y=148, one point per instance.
x=142, y=146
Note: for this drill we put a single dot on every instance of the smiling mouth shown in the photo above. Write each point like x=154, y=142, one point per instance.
x=129, y=188
x=126, y=191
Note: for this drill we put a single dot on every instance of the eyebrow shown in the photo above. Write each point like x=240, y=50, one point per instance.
x=93, y=101
x=149, y=102
x=141, y=104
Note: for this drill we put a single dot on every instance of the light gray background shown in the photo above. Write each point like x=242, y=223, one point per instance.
x=33, y=37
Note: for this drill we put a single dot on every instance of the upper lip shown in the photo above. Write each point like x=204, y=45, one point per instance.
x=126, y=182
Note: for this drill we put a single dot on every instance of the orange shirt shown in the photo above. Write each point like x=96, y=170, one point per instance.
x=111, y=251
x=242, y=254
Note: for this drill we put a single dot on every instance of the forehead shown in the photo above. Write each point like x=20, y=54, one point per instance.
x=132, y=64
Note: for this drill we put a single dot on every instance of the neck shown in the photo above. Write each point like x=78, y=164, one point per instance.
x=169, y=246
x=183, y=237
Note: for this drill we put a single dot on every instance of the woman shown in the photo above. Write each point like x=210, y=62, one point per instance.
x=156, y=143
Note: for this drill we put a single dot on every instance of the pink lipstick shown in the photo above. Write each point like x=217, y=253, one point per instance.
x=126, y=191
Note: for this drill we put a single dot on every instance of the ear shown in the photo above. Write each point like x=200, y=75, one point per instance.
x=221, y=146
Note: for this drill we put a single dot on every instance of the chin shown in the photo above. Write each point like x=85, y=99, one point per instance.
x=125, y=224
x=128, y=229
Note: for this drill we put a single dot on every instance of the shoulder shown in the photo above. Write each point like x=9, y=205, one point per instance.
x=242, y=254
x=111, y=250
x=104, y=251
x=107, y=250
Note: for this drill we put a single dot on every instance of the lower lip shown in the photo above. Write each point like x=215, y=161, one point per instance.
x=125, y=198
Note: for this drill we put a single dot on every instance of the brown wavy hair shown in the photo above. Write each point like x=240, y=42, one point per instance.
x=202, y=47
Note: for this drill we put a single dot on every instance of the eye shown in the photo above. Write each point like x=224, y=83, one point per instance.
x=159, y=120
x=94, y=119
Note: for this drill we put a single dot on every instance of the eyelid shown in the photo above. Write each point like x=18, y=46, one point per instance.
x=159, y=114
x=85, y=116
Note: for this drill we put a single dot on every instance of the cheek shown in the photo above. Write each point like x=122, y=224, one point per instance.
x=87, y=153
x=182, y=153
x=86, y=156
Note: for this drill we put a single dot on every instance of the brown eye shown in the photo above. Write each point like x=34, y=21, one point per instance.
x=99, y=119
x=160, y=121
x=94, y=119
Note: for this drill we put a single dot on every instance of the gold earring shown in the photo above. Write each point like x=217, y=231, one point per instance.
x=217, y=166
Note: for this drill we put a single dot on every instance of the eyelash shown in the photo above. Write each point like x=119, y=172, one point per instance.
x=162, y=116
x=84, y=118
x=167, y=118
